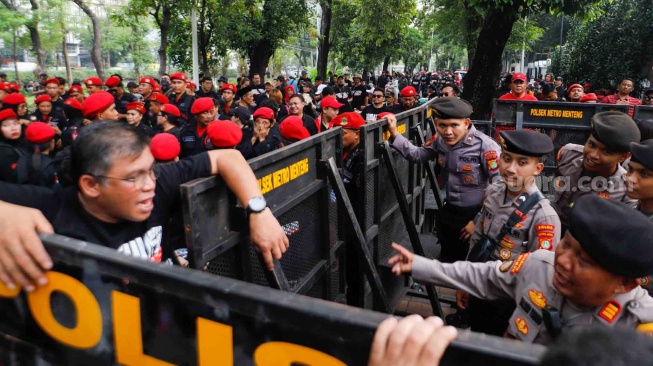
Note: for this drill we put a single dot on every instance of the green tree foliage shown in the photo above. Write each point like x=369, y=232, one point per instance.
x=610, y=47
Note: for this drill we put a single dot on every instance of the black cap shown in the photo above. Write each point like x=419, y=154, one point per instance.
x=243, y=113
x=617, y=237
x=319, y=78
x=132, y=84
x=526, y=142
x=223, y=79
x=642, y=153
x=243, y=91
x=615, y=130
x=446, y=108
x=648, y=91
x=281, y=78
x=3, y=74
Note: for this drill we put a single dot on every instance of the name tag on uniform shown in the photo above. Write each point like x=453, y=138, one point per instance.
x=188, y=139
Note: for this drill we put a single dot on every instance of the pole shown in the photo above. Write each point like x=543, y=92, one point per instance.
x=193, y=22
x=431, y=54
x=562, y=26
x=523, y=46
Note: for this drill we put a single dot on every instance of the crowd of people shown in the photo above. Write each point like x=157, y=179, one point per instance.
x=102, y=161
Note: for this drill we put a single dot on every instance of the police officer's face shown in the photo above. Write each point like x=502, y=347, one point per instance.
x=576, y=93
x=580, y=279
x=518, y=170
x=134, y=117
x=52, y=89
x=350, y=138
x=11, y=129
x=452, y=130
x=45, y=107
x=227, y=95
x=640, y=181
x=597, y=158
x=178, y=86
x=145, y=89
x=110, y=114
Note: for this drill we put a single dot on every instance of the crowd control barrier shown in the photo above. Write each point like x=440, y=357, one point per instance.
x=104, y=308
x=643, y=112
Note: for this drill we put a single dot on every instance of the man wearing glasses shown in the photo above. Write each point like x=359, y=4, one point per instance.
x=122, y=200
x=449, y=91
x=371, y=112
x=648, y=97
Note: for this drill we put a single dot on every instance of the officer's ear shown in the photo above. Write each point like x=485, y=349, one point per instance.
x=467, y=123
x=89, y=186
x=626, y=285
x=623, y=157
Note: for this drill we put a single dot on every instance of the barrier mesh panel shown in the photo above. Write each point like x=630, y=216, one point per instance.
x=225, y=264
x=370, y=199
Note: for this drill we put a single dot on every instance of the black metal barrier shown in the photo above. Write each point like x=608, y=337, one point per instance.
x=643, y=112
x=102, y=308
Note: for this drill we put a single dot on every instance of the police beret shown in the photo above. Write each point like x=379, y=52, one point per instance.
x=588, y=97
x=615, y=130
x=408, y=91
x=14, y=99
x=178, y=76
x=642, y=153
x=7, y=114
x=292, y=129
x=147, y=80
x=93, y=80
x=74, y=103
x=264, y=112
x=526, y=142
x=75, y=88
x=159, y=98
x=97, y=103
x=228, y=86
x=39, y=133
x=42, y=98
x=614, y=235
x=170, y=109
x=350, y=120
x=330, y=102
x=573, y=86
x=242, y=113
x=201, y=105
x=447, y=108
x=164, y=147
x=52, y=81
x=224, y=134
x=112, y=82
x=136, y=106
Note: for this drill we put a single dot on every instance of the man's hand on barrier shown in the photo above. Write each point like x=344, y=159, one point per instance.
x=402, y=262
x=410, y=341
x=462, y=299
x=268, y=236
x=467, y=231
x=392, y=124
x=23, y=258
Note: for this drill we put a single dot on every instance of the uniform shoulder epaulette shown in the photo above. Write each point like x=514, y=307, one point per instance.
x=573, y=149
x=642, y=309
x=535, y=259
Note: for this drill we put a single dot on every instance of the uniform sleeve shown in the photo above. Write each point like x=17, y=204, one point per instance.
x=545, y=231
x=412, y=152
x=484, y=280
x=490, y=153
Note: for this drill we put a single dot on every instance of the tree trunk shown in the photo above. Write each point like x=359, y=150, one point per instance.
x=386, y=62
x=96, y=55
x=163, y=22
x=259, y=57
x=15, y=50
x=66, y=59
x=324, y=45
x=473, y=21
x=34, y=35
x=480, y=81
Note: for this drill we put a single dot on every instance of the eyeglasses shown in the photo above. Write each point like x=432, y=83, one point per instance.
x=389, y=96
x=648, y=98
x=377, y=96
x=446, y=94
x=138, y=181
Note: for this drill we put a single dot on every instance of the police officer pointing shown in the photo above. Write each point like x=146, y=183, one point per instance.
x=467, y=160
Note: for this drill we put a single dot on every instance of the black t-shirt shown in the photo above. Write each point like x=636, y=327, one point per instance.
x=370, y=112
x=358, y=96
x=61, y=206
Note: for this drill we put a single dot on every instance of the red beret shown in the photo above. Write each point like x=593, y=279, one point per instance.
x=42, y=98
x=13, y=86
x=75, y=88
x=7, y=114
x=264, y=112
x=585, y=98
x=191, y=85
x=201, y=105
x=39, y=133
x=136, y=106
x=292, y=129
x=224, y=134
x=14, y=99
x=112, y=82
x=159, y=98
x=382, y=115
x=164, y=146
x=147, y=80
x=330, y=102
x=97, y=103
x=156, y=88
x=178, y=76
x=74, y=103
x=5, y=86
x=93, y=80
x=572, y=86
x=290, y=90
x=228, y=86
x=408, y=91
x=351, y=120
x=171, y=109
x=52, y=81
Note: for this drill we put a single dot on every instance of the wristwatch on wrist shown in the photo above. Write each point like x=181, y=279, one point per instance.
x=256, y=204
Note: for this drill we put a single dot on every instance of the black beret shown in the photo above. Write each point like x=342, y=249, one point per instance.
x=617, y=237
x=446, y=108
x=526, y=142
x=615, y=130
x=243, y=91
x=642, y=153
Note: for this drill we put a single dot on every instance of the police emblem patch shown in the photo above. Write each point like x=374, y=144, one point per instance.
x=519, y=263
x=468, y=179
x=504, y=254
x=537, y=298
x=522, y=326
x=343, y=121
x=644, y=281
x=609, y=311
x=505, y=266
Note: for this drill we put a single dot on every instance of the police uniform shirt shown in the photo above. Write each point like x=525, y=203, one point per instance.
x=184, y=103
x=570, y=171
x=647, y=281
x=528, y=280
x=539, y=228
x=468, y=167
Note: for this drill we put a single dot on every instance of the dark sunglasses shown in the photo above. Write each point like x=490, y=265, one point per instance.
x=390, y=96
x=443, y=94
x=648, y=99
x=377, y=96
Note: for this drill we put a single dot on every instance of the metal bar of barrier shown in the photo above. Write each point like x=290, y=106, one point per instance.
x=410, y=226
x=429, y=171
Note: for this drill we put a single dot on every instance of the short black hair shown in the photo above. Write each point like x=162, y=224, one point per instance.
x=328, y=91
x=62, y=81
x=269, y=103
x=454, y=87
x=205, y=78
x=548, y=88
x=297, y=96
x=380, y=89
